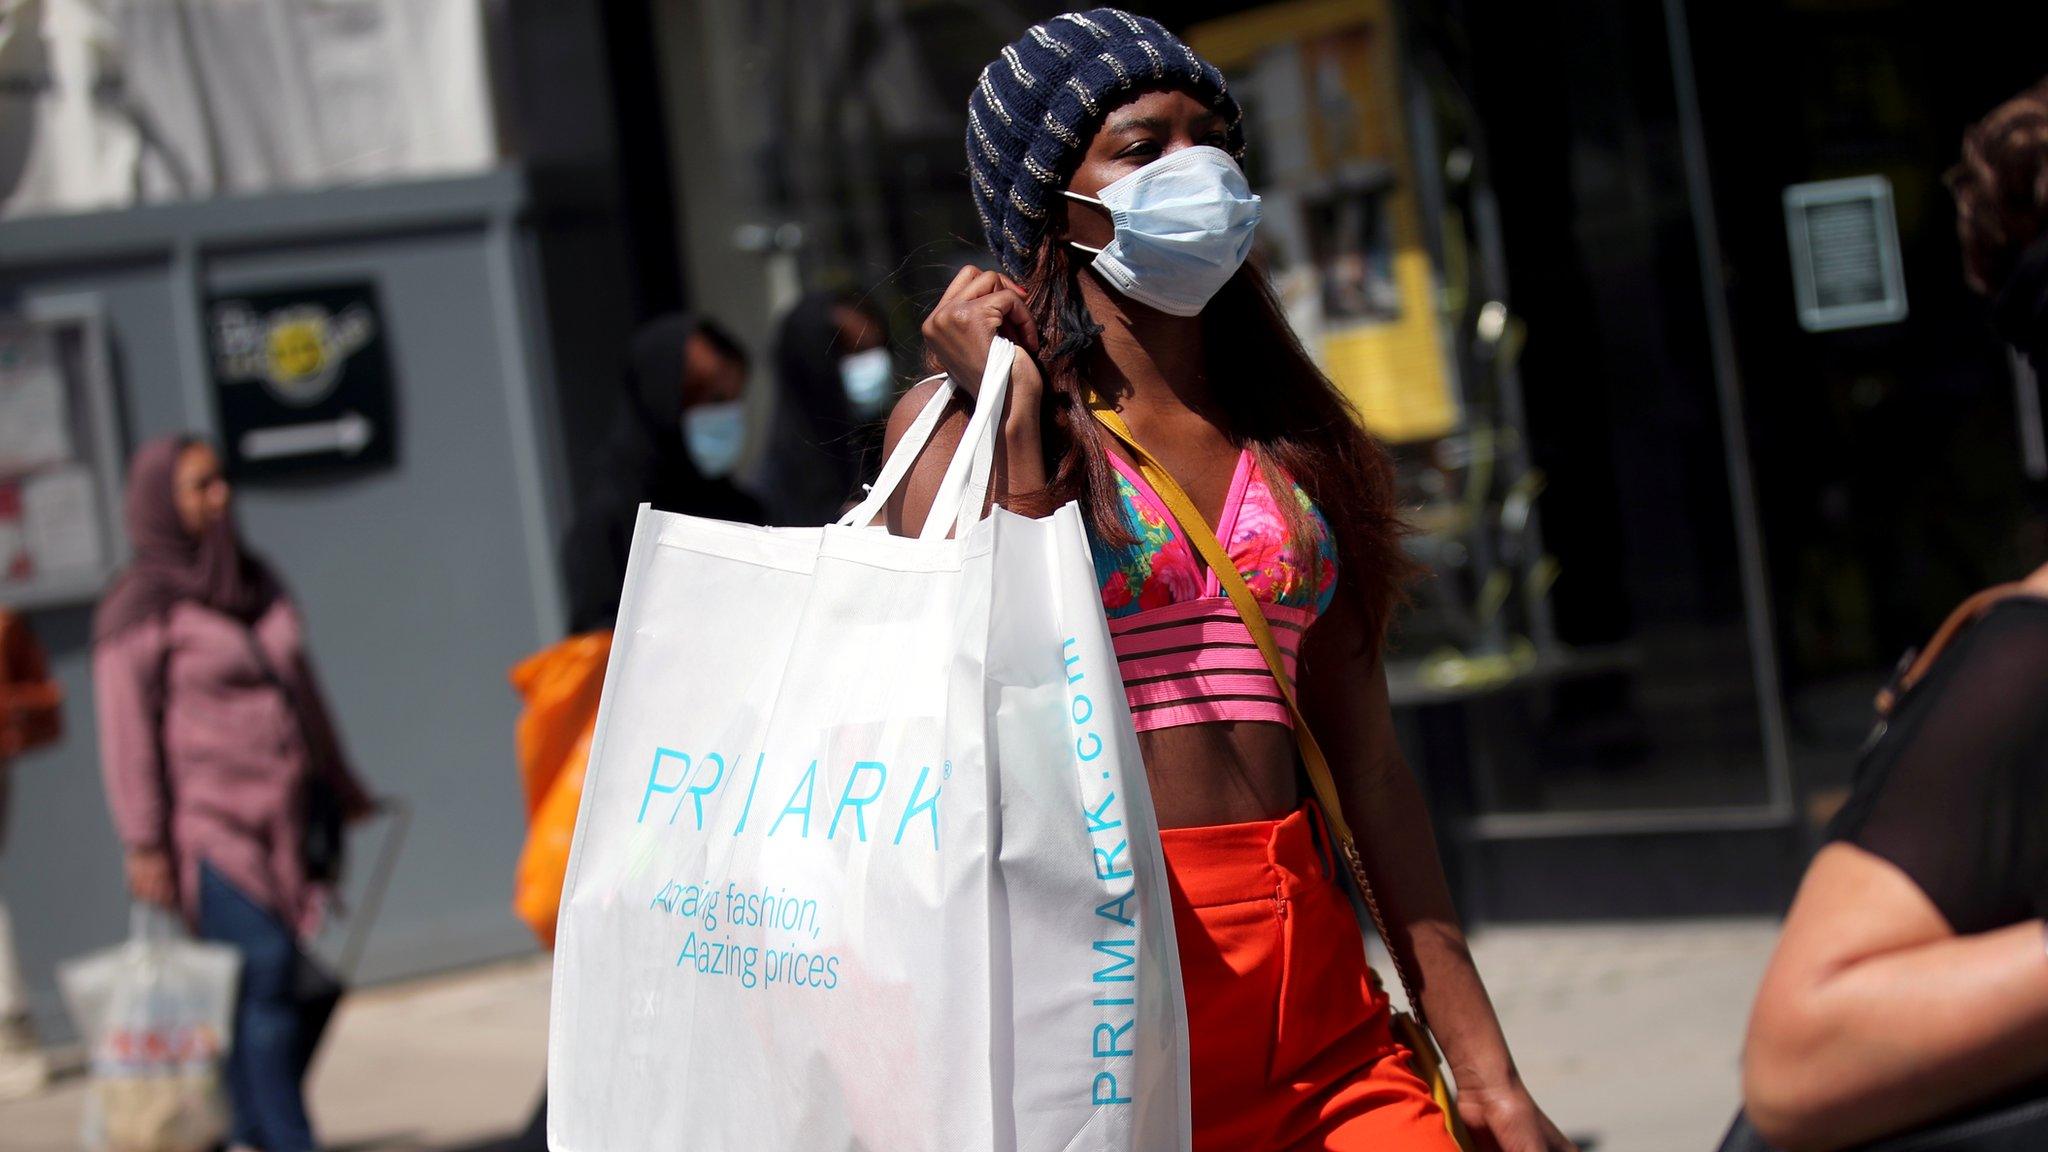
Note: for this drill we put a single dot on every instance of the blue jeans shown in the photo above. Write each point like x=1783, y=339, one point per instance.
x=281, y=1008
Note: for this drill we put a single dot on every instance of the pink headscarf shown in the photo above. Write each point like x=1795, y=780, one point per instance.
x=170, y=563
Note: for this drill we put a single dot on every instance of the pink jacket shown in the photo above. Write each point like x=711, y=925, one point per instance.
x=206, y=750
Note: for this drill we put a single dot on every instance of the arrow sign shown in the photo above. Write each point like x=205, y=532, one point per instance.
x=348, y=435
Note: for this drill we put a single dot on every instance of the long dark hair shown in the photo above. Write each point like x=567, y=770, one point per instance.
x=1269, y=394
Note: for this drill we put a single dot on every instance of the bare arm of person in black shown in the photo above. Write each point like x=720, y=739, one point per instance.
x=1912, y=978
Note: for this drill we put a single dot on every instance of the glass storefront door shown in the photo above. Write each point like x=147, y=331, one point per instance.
x=1494, y=226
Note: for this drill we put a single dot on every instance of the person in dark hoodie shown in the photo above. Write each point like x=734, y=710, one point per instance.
x=835, y=381
x=679, y=432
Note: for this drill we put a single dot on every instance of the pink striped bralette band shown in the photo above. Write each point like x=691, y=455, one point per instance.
x=1195, y=662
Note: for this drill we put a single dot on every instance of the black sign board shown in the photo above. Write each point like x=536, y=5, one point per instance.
x=302, y=380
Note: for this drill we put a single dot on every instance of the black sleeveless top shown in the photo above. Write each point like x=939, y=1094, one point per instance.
x=1955, y=793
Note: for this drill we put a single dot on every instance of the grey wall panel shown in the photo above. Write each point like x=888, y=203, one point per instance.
x=414, y=580
x=137, y=297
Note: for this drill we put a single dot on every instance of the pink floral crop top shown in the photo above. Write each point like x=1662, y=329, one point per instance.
x=1185, y=655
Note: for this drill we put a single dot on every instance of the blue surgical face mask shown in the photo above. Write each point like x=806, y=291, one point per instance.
x=865, y=376
x=1183, y=228
x=716, y=435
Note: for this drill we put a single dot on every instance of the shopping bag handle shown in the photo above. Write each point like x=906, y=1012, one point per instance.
x=149, y=923
x=907, y=451
x=364, y=917
x=964, y=489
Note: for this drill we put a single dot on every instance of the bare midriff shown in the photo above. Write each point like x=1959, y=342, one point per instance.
x=1226, y=772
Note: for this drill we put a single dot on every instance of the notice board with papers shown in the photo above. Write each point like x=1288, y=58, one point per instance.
x=60, y=454
x=1847, y=271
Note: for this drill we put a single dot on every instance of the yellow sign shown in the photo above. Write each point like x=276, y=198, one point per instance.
x=298, y=350
x=1320, y=80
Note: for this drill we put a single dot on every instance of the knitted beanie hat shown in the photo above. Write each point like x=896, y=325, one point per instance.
x=1034, y=109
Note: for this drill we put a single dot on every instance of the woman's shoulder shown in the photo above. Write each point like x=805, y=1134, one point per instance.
x=142, y=638
x=1962, y=763
x=945, y=435
x=281, y=616
x=2006, y=651
x=278, y=626
x=1971, y=724
x=914, y=495
x=915, y=400
x=1978, y=703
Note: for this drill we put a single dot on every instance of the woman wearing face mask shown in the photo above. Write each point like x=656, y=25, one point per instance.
x=835, y=382
x=679, y=432
x=214, y=741
x=1103, y=155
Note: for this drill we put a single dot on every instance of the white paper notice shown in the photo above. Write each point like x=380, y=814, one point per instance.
x=33, y=429
x=59, y=515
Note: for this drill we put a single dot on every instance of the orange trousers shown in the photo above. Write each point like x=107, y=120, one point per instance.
x=1290, y=1044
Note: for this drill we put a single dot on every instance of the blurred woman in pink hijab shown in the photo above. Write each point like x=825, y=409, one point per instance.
x=226, y=781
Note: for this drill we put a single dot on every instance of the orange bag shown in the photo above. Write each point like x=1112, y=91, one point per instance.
x=31, y=703
x=561, y=685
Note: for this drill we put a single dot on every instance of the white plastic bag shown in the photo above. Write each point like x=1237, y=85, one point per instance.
x=866, y=856
x=157, y=1013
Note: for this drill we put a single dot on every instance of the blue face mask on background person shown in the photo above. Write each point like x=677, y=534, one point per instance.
x=1183, y=228
x=865, y=376
x=716, y=435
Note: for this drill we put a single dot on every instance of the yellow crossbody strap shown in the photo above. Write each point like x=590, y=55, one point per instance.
x=1195, y=527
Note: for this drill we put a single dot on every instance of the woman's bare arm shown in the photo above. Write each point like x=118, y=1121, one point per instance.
x=1875, y=1016
x=913, y=498
x=1019, y=460
x=1344, y=697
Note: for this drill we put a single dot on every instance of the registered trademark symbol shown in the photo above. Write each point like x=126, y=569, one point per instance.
x=947, y=772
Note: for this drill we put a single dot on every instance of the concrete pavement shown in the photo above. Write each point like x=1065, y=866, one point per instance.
x=427, y=1065
x=1628, y=1034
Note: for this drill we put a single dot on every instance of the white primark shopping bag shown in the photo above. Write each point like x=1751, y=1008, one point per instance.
x=866, y=857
